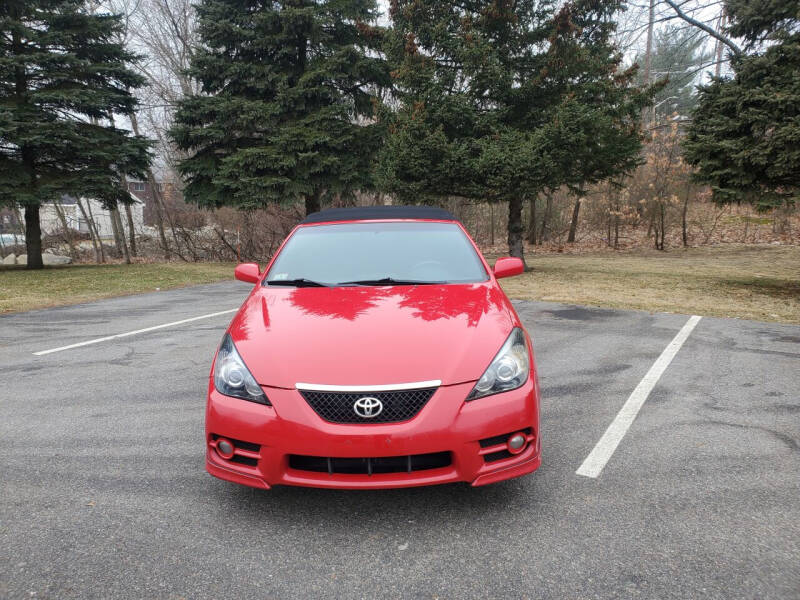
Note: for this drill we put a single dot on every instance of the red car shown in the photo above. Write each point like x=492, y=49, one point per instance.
x=377, y=350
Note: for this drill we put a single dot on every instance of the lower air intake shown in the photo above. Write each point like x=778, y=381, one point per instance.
x=370, y=466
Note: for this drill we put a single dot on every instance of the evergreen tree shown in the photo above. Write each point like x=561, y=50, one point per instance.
x=679, y=54
x=502, y=100
x=745, y=136
x=287, y=94
x=62, y=76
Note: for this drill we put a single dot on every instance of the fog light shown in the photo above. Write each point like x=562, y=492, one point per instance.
x=225, y=448
x=516, y=443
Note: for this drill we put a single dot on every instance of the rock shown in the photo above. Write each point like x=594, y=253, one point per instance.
x=11, y=259
x=22, y=259
x=55, y=259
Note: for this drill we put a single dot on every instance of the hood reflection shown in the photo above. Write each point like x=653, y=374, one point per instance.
x=340, y=303
x=428, y=302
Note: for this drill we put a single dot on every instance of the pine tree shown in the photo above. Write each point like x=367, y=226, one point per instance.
x=62, y=76
x=502, y=101
x=745, y=136
x=287, y=94
x=679, y=55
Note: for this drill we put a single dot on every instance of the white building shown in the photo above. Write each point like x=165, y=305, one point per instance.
x=51, y=223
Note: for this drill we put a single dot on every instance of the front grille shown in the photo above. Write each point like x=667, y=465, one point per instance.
x=337, y=407
x=370, y=466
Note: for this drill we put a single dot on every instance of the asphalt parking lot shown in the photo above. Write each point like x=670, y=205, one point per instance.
x=104, y=493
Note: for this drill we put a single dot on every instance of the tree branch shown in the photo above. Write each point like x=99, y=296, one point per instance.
x=709, y=30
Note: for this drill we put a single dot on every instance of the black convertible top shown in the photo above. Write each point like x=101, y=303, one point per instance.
x=374, y=213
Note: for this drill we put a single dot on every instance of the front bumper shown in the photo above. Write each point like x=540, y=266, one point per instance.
x=445, y=424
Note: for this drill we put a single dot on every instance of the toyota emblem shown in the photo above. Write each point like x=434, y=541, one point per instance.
x=368, y=407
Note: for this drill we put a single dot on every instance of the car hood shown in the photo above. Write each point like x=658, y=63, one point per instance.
x=371, y=335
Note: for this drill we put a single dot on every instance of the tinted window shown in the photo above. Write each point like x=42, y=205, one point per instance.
x=428, y=252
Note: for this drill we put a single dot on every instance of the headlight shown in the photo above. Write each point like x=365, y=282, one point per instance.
x=231, y=376
x=509, y=369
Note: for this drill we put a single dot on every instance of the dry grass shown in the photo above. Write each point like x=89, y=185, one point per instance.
x=748, y=282
x=25, y=290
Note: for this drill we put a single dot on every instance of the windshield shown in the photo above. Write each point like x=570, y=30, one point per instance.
x=377, y=254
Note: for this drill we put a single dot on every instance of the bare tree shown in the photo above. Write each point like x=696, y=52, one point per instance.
x=65, y=226
x=165, y=32
x=648, y=53
x=715, y=33
x=640, y=17
x=119, y=233
x=720, y=25
x=97, y=243
x=573, y=224
x=131, y=225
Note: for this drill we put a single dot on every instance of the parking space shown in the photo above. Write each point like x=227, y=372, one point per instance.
x=104, y=492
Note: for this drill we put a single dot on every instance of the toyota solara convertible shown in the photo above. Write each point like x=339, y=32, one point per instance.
x=376, y=350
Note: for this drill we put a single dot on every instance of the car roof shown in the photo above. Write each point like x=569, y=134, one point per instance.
x=377, y=213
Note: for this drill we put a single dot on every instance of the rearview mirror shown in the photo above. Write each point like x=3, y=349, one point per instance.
x=508, y=266
x=248, y=272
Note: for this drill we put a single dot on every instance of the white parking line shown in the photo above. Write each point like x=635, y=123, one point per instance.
x=129, y=333
x=604, y=449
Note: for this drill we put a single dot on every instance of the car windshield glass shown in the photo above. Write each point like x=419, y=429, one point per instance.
x=378, y=253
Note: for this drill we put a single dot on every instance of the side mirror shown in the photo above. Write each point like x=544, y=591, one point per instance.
x=248, y=272
x=508, y=267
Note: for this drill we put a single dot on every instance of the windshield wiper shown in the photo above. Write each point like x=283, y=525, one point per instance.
x=301, y=282
x=390, y=281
